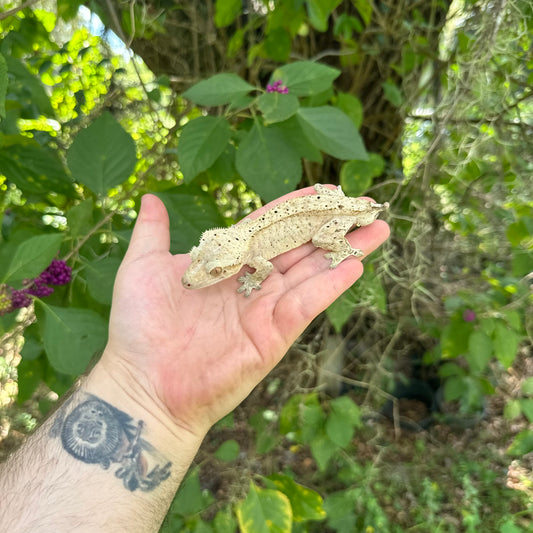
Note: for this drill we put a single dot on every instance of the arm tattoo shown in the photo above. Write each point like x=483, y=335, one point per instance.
x=98, y=433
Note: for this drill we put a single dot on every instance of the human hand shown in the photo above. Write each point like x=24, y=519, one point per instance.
x=196, y=354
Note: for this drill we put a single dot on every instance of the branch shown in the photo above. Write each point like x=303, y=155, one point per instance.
x=15, y=10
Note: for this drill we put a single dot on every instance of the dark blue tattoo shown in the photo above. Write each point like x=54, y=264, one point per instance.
x=96, y=432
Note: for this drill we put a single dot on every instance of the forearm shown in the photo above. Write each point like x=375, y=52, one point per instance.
x=104, y=461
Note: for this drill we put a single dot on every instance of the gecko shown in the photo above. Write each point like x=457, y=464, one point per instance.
x=323, y=218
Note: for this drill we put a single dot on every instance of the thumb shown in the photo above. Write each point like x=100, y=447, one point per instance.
x=151, y=232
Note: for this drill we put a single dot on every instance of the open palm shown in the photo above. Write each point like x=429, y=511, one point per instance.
x=200, y=352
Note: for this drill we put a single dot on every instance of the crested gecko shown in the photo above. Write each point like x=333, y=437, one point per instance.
x=323, y=218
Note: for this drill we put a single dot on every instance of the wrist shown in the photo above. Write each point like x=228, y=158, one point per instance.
x=116, y=385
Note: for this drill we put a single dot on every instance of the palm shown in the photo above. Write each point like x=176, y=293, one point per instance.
x=202, y=351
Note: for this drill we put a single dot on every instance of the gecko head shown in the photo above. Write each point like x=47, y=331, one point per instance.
x=371, y=211
x=216, y=257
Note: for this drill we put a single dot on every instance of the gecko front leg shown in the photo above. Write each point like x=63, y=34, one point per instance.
x=253, y=281
x=331, y=236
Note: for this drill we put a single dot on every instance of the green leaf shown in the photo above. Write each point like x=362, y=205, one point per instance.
x=305, y=78
x=226, y=12
x=30, y=374
x=505, y=343
x=357, y=176
x=264, y=511
x=294, y=136
x=319, y=12
x=201, y=142
x=323, y=449
x=522, y=444
x=364, y=8
x=306, y=503
x=522, y=262
x=330, y=130
x=341, y=422
x=351, y=106
x=79, y=217
x=392, y=93
x=527, y=387
x=277, y=45
x=454, y=388
x=268, y=164
x=224, y=522
x=35, y=170
x=100, y=275
x=512, y=410
x=479, y=351
x=102, y=155
x=3, y=86
x=526, y=406
x=71, y=336
x=33, y=256
x=277, y=107
x=367, y=292
x=191, y=211
x=228, y=450
x=190, y=498
x=313, y=419
x=28, y=85
x=219, y=89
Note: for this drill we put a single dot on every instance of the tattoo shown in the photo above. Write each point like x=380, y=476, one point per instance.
x=96, y=432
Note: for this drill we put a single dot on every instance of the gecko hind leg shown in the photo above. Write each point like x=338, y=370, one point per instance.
x=332, y=237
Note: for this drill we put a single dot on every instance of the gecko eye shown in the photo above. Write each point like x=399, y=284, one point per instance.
x=216, y=271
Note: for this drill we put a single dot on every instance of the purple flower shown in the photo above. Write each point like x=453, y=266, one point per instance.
x=469, y=315
x=277, y=87
x=39, y=289
x=58, y=273
x=20, y=299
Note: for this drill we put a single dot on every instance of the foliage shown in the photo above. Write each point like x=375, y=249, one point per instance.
x=426, y=105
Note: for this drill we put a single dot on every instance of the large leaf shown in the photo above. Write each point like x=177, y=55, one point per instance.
x=220, y=89
x=267, y=163
x=479, y=351
x=35, y=170
x=319, y=12
x=294, y=136
x=71, y=336
x=306, y=78
x=342, y=420
x=191, y=499
x=277, y=107
x=28, y=86
x=100, y=276
x=192, y=211
x=522, y=444
x=32, y=257
x=505, y=343
x=357, y=176
x=201, y=142
x=330, y=130
x=306, y=503
x=226, y=12
x=102, y=155
x=264, y=511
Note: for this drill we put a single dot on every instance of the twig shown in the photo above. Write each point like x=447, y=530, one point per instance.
x=15, y=10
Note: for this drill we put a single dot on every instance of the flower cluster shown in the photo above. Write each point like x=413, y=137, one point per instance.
x=58, y=273
x=469, y=315
x=277, y=87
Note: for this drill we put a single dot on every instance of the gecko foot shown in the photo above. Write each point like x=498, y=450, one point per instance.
x=248, y=284
x=339, y=257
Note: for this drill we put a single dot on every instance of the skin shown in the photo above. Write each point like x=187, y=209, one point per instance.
x=177, y=359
